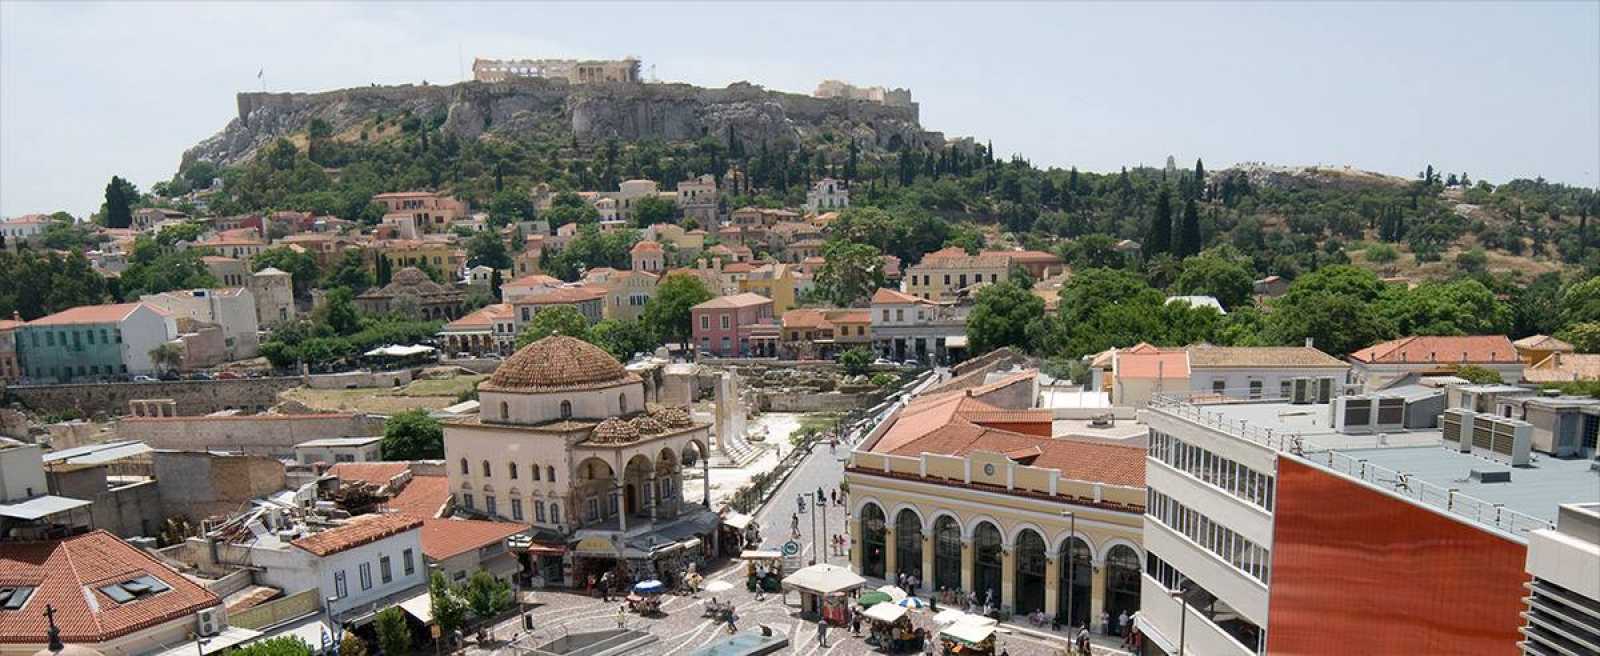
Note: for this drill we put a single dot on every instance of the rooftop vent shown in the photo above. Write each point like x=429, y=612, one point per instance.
x=1489, y=476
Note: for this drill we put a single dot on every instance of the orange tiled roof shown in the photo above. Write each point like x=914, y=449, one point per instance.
x=423, y=497
x=645, y=245
x=746, y=299
x=1543, y=343
x=1154, y=363
x=92, y=314
x=445, y=538
x=1564, y=367
x=482, y=317
x=365, y=529
x=560, y=295
x=1431, y=349
x=67, y=574
x=886, y=295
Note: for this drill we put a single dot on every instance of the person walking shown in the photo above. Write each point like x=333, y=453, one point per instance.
x=1123, y=626
x=733, y=617
x=622, y=616
x=822, y=632
x=855, y=623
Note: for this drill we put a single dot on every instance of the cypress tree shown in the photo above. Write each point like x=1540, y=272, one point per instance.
x=1190, y=234
x=1161, y=224
x=1200, y=179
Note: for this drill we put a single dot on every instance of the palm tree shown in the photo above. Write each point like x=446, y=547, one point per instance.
x=167, y=356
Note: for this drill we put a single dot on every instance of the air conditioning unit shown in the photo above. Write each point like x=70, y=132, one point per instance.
x=1502, y=440
x=209, y=621
x=1456, y=425
x=1302, y=391
x=1368, y=414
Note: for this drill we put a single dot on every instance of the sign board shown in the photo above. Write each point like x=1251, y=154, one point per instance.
x=791, y=548
x=791, y=556
x=596, y=546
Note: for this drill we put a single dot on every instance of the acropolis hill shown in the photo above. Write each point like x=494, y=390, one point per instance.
x=529, y=107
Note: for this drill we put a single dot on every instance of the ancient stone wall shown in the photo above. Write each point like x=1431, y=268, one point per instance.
x=812, y=402
x=194, y=397
x=271, y=435
x=199, y=485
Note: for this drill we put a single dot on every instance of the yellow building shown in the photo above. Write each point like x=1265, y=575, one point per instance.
x=1535, y=348
x=627, y=292
x=967, y=490
x=440, y=255
x=776, y=281
x=942, y=273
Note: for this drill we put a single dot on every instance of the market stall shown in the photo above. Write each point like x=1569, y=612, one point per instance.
x=968, y=636
x=645, y=599
x=763, y=570
x=825, y=590
x=889, y=629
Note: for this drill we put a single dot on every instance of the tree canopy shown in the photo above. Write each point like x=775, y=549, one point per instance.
x=554, y=320
x=412, y=435
x=667, y=316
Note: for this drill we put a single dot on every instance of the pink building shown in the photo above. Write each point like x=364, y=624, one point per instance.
x=740, y=325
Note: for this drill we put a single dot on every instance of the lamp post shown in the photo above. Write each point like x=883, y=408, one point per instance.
x=1072, y=563
x=1183, y=619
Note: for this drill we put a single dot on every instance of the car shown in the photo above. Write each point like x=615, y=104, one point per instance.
x=228, y=375
x=143, y=379
x=885, y=362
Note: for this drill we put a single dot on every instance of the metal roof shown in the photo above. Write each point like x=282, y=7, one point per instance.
x=95, y=454
x=340, y=441
x=40, y=507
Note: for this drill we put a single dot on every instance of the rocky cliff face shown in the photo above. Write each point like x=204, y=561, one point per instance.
x=533, y=107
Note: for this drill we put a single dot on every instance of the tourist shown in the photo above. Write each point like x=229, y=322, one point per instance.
x=733, y=617
x=822, y=632
x=1105, y=622
x=622, y=616
x=1083, y=641
x=1122, y=625
x=855, y=623
x=1127, y=628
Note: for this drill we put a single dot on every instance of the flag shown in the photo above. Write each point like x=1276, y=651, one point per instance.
x=260, y=73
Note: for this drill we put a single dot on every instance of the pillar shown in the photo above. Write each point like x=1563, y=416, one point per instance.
x=1097, y=594
x=1008, y=578
x=927, y=563
x=1052, y=583
x=650, y=495
x=855, y=543
x=889, y=554
x=967, y=569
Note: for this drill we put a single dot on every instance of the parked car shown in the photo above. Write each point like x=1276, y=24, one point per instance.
x=143, y=379
x=228, y=375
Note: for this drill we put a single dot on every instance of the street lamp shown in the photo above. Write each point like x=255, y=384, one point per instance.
x=1072, y=564
x=1183, y=619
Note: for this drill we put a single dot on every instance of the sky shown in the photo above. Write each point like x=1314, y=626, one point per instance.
x=1496, y=90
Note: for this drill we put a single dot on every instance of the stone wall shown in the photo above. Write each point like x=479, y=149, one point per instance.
x=271, y=435
x=194, y=397
x=199, y=485
x=360, y=379
x=129, y=510
x=277, y=611
x=813, y=402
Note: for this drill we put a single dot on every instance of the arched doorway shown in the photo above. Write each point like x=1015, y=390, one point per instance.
x=946, y=553
x=1030, y=572
x=1122, y=580
x=989, y=570
x=872, y=542
x=908, y=543
x=1077, y=580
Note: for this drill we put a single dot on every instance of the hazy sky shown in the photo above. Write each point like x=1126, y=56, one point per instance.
x=1496, y=90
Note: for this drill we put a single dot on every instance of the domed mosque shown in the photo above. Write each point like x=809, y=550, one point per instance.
x=566, y=442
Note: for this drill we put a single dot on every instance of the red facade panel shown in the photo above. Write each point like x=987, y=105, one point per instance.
x=1357, y=571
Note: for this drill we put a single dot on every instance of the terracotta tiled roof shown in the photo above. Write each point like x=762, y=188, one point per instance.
x=67, y=574
x=1543, y=343
x=1027, y=256
x=1431, y=349
x=886, y=295
x=535, y=280
x=1564, y=367
x=559, y=295
x=365, y=529
x=738, y=267
x=376, y=473
x=557, y=363
x=803, y=318
x=746, y=299
x=92, y=314
x=481, y=318
x=1152, y=364
x=424, y=496
x=10, y=324
x=445, y=538
x=1260, y=357
x=646, y=245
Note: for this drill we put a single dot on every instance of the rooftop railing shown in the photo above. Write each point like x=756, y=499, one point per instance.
x=1192, y=407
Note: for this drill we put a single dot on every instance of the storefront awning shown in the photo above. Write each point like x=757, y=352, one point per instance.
x=969, y=631
x=824, y=579
x=737, y=520
x=885, y=612
x=420, y=607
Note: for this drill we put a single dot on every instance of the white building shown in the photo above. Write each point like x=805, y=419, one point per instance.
x=234, y=309
x=826, y=195
x=1564, y=563
x=23, y=228
x=1381, y=364
x=339, y=449
x=359, y=568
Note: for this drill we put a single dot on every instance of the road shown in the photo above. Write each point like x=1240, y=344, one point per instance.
x=683, y=628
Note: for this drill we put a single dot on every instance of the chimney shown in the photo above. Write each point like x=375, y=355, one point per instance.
x=1311, y=343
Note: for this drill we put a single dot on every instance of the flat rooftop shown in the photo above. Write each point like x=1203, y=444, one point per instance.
x=1537, y=490
x=340, y=441
x=1313, y=422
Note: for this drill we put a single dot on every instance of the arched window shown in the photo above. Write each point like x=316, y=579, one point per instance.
x=1078, y=579
x=505, y=411
x=947, y=553
x=1029, y=573
x=989, y=570
x=872, y=543
x=464, y=468
x=486, y=471
x=1122, y=580
x=551, y=471
x=566, y=409
x=908, y=543
x=622, y=403
x=511, y=469
x=535, y=470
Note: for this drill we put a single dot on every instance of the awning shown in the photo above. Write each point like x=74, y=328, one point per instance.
x=399, y=351
x=40, y=507
x=885, y=612
x=957, y=341
x=737, y=520
x=824, y=579
x=420, y=607
x=760, y=555
x=969, y=631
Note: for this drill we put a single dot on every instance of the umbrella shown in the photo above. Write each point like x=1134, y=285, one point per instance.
x=894, y=592
x=912, y=602
x=868, y=599
x=650, y=586
x=718, y=586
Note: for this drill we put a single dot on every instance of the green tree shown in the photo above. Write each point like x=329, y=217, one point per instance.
x=279, y=646
x=351, y=645
x=487, y=596
x=1160, y=239
x=651, y=210
x=449, y=611
x=1189, y=240
x=1580, y=301
x=1092, y=251
x=412, y=435
x=622, y=338
x=856, y=361
x=555, y=320
x=1212, y=275
x=1334, y=307
x=167, y=356
x=1459, y=307
x=1479, y=375
x=394, y=635
x=351, y=272
x=1382, y=253
x=850, y=272
x=338, y=312
x=121, y=196
x=667, y=316
x=38, y=284
x=510, y=206
x=488, y=249
x=1001, y=316
x=1584, y=337
x=301, y=267
x=153, y=270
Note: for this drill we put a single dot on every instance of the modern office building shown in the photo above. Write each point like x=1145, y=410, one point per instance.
x=1299, y=528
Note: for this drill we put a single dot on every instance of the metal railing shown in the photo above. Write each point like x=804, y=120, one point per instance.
x=1192, y=407
x=1451, y=500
